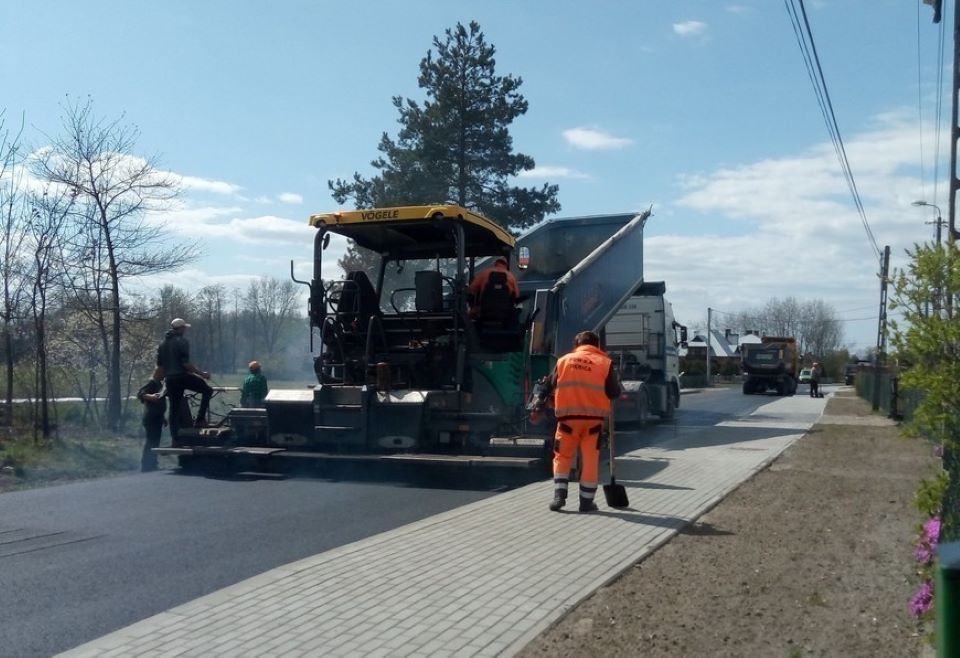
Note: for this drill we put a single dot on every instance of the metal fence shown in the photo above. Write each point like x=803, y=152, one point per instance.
x=900, y=403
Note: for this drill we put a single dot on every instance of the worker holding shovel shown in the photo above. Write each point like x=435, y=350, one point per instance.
x=584, y=383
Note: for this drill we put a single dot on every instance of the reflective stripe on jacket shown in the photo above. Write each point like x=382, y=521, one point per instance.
x=580, y=388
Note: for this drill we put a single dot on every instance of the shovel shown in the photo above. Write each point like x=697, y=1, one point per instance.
x=616, y=494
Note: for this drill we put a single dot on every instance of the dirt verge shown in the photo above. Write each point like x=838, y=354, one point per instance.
x=813, y=556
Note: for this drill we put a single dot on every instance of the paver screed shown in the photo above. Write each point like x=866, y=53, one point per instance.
x=480, y=580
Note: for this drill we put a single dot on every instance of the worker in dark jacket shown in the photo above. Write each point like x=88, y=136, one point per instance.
x=816, y=374
x=173, y=356
x=584, y=384
x=153, y=397
x=255, y=388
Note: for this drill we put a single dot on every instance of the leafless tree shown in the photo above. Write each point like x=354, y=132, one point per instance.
x=49, y=214
x=114, y=190
x=272, y=303
x=13, y=233
x=76, y=357
x=813, y=323
x=209, y=306
x=139, y=345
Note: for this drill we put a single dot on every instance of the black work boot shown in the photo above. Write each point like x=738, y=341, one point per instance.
x=559, y=500
x=587, y=505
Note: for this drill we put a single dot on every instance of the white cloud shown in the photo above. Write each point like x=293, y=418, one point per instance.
x=258, y=230
x=291, y=197
x=185, y=217
x=689, y=28
x=738, y=9
x=593, y=139
x=787, y=226
x=194, y=183
x=551, y=172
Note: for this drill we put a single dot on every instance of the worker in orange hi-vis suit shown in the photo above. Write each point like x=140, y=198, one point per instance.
x=475, y=289
x=584, y=384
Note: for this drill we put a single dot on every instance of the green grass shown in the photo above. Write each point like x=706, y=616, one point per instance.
x=77, y=455
x=82, y=453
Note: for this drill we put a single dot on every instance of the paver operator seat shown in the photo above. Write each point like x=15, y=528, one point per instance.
x=498, y=323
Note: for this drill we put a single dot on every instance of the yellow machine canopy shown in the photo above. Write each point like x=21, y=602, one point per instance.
x=417, y=231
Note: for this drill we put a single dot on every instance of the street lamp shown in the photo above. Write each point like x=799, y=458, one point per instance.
x=939, y=220
x=939, y=223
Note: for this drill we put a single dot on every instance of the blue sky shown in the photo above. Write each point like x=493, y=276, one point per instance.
x=702, y=108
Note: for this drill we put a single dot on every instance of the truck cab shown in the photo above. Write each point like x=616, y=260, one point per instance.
x=644, y=339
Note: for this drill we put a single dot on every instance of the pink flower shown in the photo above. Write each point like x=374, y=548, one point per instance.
x=922, y=600
x=932, y=529
x=923, y=553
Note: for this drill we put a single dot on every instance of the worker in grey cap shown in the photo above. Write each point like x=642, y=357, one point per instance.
x=173, y=357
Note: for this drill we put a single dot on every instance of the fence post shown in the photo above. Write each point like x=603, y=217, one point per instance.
x=947, y=600
x=894, y=398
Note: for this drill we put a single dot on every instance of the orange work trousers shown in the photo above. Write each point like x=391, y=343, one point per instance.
x=573, y=433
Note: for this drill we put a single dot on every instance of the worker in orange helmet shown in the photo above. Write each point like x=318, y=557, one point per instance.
x=255, y=388
x=584, y=384
x=479, y=283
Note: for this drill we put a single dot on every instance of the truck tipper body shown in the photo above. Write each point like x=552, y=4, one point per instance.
x=770, y=365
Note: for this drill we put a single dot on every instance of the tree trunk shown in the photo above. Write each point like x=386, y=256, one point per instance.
x=39, y=324
x=42, y=373
x=114, y=407
x=8, y=348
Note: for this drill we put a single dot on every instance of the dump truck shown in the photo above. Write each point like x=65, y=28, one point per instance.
x=644, y=340
x=404, y=372
x=771, y=364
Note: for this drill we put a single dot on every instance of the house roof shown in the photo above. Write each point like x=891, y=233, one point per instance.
x=720, y=347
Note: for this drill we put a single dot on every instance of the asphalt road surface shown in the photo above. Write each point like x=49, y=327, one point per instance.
x=81, y=560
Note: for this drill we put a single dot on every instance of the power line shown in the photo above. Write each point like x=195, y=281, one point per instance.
x=923, y=177
x=936, y=146
x=808, y=50
x=938, y=108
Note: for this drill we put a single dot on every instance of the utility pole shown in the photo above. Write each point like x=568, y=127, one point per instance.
x=709, y=321
x=879, y=356
x=938, y=293
x=954, y=133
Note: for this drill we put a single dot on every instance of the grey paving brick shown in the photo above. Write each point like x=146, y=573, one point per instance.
x=449, y=583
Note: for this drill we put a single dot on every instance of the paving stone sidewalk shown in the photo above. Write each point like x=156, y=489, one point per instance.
x=480, y=580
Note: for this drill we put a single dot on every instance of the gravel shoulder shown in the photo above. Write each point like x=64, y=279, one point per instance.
x=812, y=556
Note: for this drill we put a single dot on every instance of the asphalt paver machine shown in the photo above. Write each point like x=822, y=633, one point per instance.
x=405, y=372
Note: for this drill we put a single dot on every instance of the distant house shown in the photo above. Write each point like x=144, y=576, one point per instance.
x=724, y=351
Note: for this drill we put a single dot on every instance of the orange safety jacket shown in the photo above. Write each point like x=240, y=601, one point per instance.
x=581, y=388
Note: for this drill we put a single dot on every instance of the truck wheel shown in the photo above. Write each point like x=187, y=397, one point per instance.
x=747, y=389
x=643, y=411
x=667, y=413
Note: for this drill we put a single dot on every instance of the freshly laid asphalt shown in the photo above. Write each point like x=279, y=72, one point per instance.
x=80, y=560
x=475, y=580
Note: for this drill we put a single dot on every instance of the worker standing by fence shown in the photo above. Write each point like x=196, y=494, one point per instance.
x=152, y=395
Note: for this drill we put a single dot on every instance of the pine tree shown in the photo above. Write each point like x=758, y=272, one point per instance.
x=455, y=147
